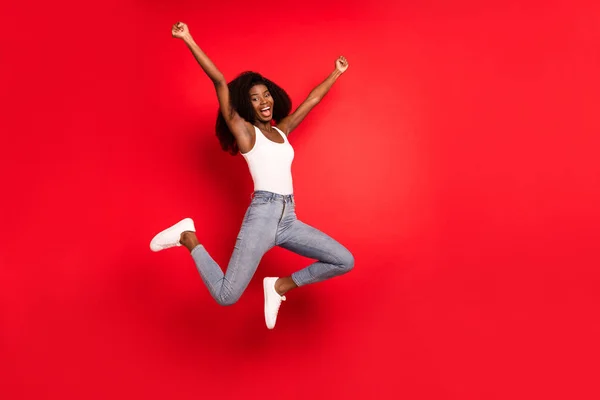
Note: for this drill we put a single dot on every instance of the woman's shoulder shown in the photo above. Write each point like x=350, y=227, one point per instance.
x=281, y=128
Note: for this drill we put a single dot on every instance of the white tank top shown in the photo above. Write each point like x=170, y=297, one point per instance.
x=270, y=164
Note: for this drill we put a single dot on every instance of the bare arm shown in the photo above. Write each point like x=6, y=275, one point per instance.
x=235, y=123
x=289, y=123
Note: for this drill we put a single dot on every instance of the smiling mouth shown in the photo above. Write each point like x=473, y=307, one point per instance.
x=265, y=112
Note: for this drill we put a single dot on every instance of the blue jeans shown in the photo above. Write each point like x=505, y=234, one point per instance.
x=271, y=221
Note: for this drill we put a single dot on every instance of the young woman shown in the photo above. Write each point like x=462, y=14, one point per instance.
x=255, y=120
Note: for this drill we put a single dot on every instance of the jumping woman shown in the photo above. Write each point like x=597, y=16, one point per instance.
x=255, y=120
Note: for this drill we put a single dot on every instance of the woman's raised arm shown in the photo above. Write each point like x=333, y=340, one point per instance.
x=289, y=123
x=235, y=123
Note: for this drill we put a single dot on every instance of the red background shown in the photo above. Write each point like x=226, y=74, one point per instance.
x=457, y=159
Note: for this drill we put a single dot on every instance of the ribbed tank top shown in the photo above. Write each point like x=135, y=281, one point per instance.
x=270, y=164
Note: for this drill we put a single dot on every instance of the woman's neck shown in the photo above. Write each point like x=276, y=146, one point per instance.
x=264, y=126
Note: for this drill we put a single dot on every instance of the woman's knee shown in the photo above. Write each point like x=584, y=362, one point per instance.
x=226, y=302
x=346, y=261
x=227, y=299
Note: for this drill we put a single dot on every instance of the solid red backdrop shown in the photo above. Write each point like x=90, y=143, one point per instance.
x=457, y=159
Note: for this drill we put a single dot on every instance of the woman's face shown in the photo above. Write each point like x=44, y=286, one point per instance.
x=262, y=102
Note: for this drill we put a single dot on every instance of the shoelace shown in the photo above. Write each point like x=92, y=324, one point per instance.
x=276, y=309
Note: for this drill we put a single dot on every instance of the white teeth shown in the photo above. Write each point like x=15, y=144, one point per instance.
x=266, y=108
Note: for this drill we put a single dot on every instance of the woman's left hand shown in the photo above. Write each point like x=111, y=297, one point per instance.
x=341, y=64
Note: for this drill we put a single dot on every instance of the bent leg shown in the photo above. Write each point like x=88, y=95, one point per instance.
x=333, y=258
x=255, y=238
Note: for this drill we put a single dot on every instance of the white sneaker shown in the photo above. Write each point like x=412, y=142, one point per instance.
x=170, y=236
x=272, y=301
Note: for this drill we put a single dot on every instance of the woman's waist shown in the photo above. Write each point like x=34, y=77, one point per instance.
x=267, y=195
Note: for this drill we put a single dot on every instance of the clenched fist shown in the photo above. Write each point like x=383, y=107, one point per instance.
x=341, y=64
x=180, y=30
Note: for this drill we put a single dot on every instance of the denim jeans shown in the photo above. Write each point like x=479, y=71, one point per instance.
x=270, y=220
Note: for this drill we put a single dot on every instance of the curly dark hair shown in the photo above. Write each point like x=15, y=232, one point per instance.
x=239, y=98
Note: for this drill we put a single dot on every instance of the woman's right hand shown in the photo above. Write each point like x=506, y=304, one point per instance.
x=180, y=30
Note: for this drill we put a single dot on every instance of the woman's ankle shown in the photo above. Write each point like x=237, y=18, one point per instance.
x=284, y=285
x=189, y=240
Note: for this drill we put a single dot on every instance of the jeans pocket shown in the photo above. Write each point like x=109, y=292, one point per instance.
x=258, y=201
